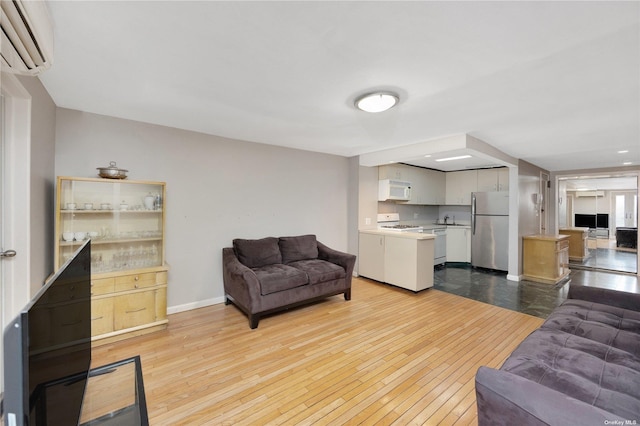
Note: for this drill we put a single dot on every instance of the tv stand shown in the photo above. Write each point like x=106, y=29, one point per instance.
x=598, y=232
x=115, y=395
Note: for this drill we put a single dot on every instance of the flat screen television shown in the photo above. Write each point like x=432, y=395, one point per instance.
x=47, y=349
x=600, y=220
x=585, y=220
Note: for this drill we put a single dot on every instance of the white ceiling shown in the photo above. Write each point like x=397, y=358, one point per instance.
x=601, y=182
x=553, y=83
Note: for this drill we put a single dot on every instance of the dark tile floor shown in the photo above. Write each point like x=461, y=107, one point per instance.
x=617, y=260
x=529, y=297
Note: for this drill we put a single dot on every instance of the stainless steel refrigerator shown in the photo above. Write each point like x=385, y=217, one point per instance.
x=490, y=230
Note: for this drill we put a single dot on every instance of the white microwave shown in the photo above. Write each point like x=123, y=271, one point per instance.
x=394, y=190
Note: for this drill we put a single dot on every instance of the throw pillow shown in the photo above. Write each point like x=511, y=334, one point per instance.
x=302, y=247
x=257, y=253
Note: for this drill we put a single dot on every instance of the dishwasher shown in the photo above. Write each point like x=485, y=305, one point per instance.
x=439, y=244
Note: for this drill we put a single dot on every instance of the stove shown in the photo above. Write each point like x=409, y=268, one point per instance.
x=400, y=227
x=391, y=222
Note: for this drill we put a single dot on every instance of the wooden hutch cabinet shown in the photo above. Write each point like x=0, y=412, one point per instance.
x=125, y=221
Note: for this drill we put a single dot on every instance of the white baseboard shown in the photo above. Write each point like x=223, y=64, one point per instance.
x=194, y=305
x=514, y=277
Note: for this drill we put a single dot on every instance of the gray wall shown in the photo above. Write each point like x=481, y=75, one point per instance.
x=217, y=189
x=43, y=124
x=528, y=216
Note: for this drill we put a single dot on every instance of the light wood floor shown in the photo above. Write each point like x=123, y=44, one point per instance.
x=388, y=356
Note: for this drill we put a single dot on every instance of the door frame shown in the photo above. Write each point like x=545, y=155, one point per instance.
x=543, y=207
x=15, y=283
x=611, y=172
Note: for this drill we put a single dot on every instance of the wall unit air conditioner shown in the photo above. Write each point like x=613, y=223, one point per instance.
x=26, y=44
x=589, y=193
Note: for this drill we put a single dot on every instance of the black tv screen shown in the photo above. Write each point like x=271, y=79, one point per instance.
x=47, y=349
x=600, y=220
x=585, y=220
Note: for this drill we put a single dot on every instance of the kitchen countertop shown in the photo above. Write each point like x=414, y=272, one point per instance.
x=448, y=225
x=408, y=235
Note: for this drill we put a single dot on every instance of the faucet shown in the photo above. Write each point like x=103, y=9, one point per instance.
x=446, y=218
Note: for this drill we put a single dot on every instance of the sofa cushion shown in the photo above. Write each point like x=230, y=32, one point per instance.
x=610, y=325
x=319, y=270
x=257, y=253
x=279, y=277
x=588, y=351
x=301, y=247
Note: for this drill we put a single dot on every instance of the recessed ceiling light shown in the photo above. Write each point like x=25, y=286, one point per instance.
x=627, y=163
x=459, y=157
x=624, y=151
x=376, y=102
x=427, y=156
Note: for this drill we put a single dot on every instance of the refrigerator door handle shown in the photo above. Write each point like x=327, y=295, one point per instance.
x=473, y=214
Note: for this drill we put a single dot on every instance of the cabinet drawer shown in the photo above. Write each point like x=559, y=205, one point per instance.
x=561, y=245
x=132, y=282
x=101, y=316
x=102, y=286
x=131, y=310
x=69, y=322
x=64, y=293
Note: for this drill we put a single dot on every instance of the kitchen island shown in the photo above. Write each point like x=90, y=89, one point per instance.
x=403, y=259
x=545, y=258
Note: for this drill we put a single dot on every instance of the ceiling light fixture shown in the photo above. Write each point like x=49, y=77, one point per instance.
x=377, y=102
x=459, y=157
x=624, y=151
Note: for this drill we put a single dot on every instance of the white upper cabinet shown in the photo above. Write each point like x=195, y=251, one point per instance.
x=460, y=185
x=493, y=179
x=435, y=187
x=395, y=172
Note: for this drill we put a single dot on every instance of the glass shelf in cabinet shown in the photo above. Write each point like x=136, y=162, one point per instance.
x=110, y=241
x=95, y=211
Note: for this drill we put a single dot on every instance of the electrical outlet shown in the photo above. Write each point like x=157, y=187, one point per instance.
x=367, y=221
x=415, y=215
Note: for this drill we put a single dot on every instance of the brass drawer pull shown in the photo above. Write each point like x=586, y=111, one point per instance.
x=96, y=319
x=135, y=310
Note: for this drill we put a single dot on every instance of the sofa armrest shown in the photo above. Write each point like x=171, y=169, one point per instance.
x=346, y=260
x=240, y=282
x=606, y=296
x=507, y=399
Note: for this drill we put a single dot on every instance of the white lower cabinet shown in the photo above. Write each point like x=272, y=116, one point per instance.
x=405, y=261
x=371, y=256
x=458, y=244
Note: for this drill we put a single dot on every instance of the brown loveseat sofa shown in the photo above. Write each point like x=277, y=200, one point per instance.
x=272, y=274
x=581, y=367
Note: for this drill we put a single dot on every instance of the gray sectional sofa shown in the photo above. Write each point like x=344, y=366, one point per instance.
x=272, y=274
x=581, y=367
